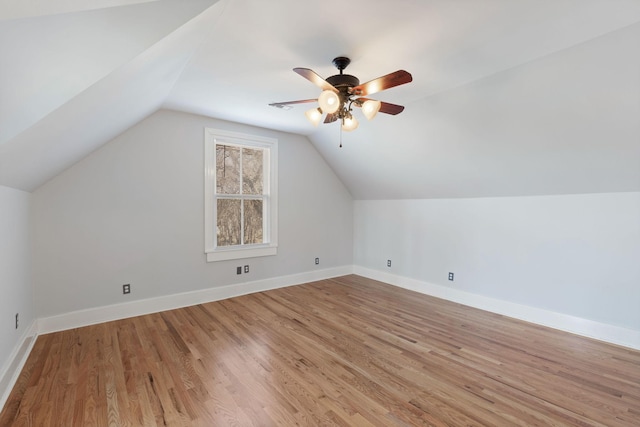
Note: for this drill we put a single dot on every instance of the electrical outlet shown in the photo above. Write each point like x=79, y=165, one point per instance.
x=246, y=268
x=317, y=261
x=238, y=270
x=388, y=263
x=126, y=289
x=17, y=320
x=451, y=276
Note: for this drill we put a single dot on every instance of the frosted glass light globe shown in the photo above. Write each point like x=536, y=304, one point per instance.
x=370, y=108
x=349, y=124
x=314, y=115
x=329, y=101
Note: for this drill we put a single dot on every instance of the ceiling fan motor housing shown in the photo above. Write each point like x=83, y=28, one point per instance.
x=343, y=82
x=340, y=81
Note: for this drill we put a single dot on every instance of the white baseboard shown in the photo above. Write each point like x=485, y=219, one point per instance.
x=13, y=367
x=15, y=363
x=11, y=370
x=564, y=322
x=97, y=315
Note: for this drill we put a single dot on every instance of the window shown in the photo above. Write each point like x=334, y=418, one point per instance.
x=240, y=195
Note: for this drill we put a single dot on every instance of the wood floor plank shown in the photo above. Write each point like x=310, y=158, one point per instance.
x=340, y=352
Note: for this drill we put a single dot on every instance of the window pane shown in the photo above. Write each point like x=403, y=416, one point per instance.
x=227, y=169
x=229, y=222
x=252, y=221
x=252, y=171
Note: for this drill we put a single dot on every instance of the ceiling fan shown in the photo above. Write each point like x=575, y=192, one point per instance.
x=341, y=92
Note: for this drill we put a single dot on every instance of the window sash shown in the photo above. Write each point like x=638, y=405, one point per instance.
x=243, y=197
x=268, y=146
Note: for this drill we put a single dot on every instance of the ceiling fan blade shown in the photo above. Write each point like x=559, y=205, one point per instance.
x=282, y=104
x=331, y=117
x=385, y=107
x=394, y=79
x=315, y=79
x=392, y=109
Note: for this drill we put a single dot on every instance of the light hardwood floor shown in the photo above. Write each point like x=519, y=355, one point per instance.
x=348, y=351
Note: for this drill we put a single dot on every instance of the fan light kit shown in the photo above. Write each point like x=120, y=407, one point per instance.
x=341, y=92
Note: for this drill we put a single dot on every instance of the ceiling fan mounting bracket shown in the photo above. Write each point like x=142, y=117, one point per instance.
x=341, y=62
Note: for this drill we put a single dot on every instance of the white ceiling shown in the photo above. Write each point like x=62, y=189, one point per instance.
x=76, y=73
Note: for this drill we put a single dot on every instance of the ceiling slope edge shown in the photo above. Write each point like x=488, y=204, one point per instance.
x=20, y=9
x=104, y=110
x=46, y=61
x=493, y=73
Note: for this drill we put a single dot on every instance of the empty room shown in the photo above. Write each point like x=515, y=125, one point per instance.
x=287, y=213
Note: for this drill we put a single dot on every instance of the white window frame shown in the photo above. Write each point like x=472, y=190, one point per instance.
x=270, y=209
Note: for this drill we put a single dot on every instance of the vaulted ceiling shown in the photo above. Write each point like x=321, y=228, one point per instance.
x=76, y=73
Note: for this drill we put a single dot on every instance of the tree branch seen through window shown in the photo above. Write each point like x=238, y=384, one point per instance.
x=239, y=195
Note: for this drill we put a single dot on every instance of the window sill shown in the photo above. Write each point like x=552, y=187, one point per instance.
x=228, y=254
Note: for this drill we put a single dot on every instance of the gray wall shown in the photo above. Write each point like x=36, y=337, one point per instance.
x=575, y=254
x=15, y=270
x=132, y=212
x=564, y=130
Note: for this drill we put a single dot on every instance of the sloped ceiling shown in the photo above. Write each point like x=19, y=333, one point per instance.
x=74, y=74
